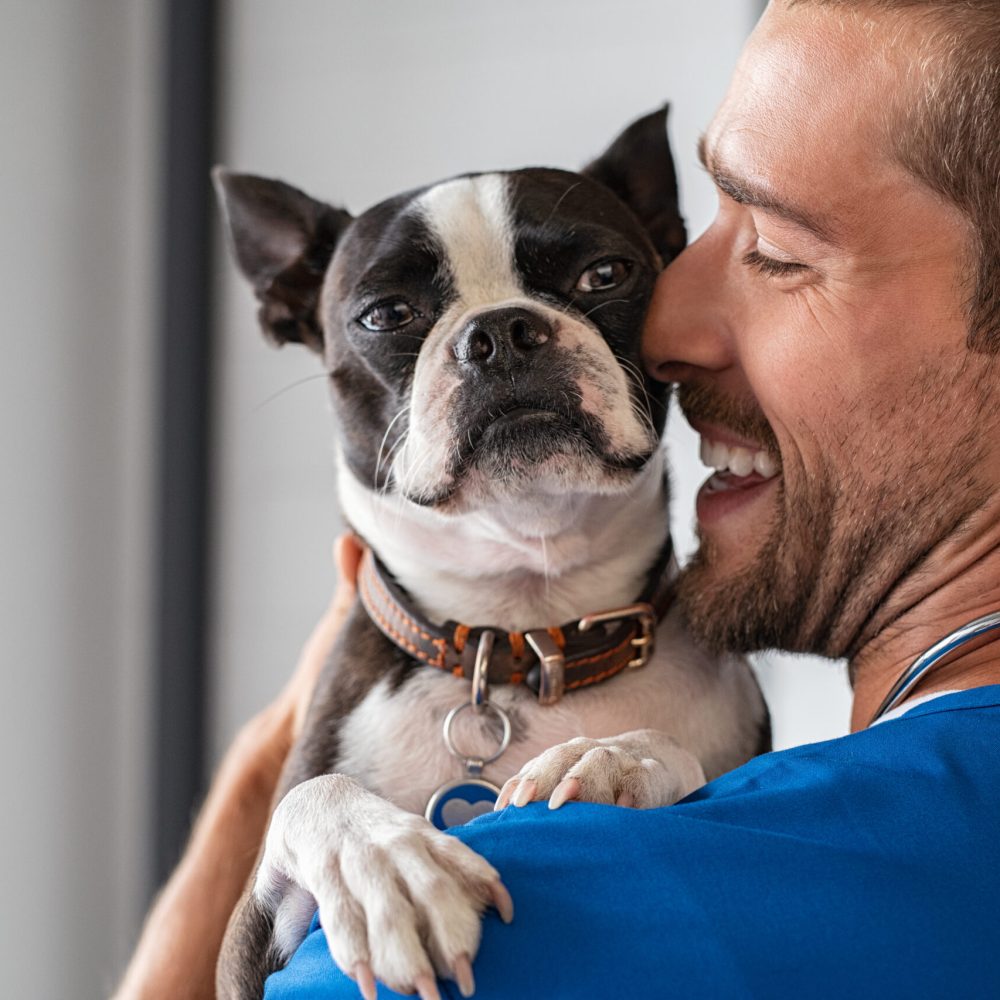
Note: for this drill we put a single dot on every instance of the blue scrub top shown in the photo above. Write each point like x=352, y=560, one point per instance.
x=863, y=866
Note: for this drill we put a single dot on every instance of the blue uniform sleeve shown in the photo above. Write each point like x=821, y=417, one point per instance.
x=861, y=866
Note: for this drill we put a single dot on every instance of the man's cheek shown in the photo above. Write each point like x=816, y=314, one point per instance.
x=821, y=348
x=811, y=417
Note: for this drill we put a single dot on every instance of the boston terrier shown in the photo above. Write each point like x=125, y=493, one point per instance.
x=499, y=452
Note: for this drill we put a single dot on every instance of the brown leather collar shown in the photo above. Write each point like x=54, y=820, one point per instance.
x=549, y=661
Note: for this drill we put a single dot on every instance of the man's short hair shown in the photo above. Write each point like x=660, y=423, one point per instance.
x=950, y=136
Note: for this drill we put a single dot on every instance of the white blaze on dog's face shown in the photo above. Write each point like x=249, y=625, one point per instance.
x=503, y=312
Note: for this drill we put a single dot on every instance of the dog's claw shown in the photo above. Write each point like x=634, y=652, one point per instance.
x=365, y=979
x=567, y=789
x=502, y=901
x=463, y=976
x=525, y=793
x=504, y=798
x=426, y=987
x=626, y=800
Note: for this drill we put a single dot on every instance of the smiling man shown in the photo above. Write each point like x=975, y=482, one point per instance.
x=835, y=336
x=839, y=323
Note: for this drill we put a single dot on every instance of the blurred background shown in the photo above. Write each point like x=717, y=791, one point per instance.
x=167, y=507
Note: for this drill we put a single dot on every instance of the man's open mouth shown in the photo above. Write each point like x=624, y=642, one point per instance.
x=741, y=474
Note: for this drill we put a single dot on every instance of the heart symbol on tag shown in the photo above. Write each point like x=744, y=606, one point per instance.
x=459, y=811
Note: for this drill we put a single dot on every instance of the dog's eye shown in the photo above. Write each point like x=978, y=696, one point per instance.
x=388, y=316
x=607, y=274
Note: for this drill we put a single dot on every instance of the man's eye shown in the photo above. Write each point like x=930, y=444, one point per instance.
x=388, y=316
x=771, y=266
x=607, y=274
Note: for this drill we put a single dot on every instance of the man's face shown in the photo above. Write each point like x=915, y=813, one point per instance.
x=818, y=325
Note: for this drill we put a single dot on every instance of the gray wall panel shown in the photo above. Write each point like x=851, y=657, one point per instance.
x=76, y=273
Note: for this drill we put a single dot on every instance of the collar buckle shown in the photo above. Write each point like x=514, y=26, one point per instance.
x=644, y=614
x=551, y=663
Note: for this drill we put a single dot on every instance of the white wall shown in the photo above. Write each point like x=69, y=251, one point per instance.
x=75, y=279
x=355, y=101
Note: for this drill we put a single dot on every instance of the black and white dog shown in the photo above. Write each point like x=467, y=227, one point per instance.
x=499, y=451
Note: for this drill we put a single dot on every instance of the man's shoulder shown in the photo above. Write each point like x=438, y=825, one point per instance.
x=933, y=759
x=952, y=734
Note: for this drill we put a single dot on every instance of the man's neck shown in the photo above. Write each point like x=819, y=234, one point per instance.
x=957, y=584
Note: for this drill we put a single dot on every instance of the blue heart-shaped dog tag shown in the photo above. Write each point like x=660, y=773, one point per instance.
x=460, y=801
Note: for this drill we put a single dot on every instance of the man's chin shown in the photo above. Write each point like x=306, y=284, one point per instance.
x=736, y=610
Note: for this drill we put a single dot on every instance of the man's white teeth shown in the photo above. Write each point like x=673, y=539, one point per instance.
x=738, y=461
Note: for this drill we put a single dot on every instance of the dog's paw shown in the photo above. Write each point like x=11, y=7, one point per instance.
x=399, y=901
x=642, y=769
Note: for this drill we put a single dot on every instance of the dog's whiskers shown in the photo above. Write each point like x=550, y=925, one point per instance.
x=635, y=370
x=288, y=388
x=384, y=490
x=408, y=476
x=560, y=200
x=385, y=437
x=601, y=305
x=394, y=447
x=643, y=408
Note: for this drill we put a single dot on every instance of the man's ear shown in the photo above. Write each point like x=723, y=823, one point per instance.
x=639, y=168
x=283, y=241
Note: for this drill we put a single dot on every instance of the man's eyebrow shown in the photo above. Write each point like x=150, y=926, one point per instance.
x=755, y=195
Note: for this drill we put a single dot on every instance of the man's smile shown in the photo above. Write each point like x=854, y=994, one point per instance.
x=743, y=471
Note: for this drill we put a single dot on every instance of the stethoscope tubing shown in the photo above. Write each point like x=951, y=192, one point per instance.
x=936, y=656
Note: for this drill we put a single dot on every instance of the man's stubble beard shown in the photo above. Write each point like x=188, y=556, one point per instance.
x=765, y=604
x=838, y=542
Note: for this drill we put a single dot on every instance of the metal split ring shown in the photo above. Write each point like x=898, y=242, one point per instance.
x=466, y=758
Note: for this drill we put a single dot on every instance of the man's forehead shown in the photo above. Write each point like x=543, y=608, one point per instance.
x=758, y=190
x=805, y=121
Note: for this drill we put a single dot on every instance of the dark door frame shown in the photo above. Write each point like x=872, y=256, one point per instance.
x=183, y=424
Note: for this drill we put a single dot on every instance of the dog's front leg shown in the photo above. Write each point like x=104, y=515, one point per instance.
x=398, y=899
x=645, y=769
x=250, y=951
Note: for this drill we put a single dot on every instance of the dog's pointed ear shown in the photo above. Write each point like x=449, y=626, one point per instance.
x=639, y=168
x=283, y=241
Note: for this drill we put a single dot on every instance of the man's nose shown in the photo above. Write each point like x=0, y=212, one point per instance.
x=686, y=328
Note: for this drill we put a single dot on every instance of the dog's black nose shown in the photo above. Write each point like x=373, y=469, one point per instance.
x=502, y=339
